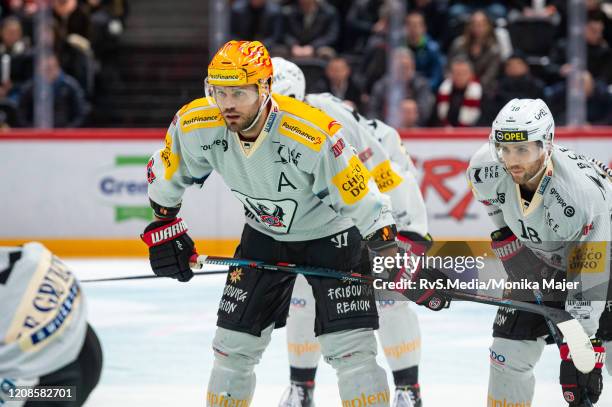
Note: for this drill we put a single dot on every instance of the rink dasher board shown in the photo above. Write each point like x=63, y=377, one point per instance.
x=96, y=189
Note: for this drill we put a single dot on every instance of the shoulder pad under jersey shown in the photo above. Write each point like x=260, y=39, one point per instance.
x=485, y=173
x=575, y=192
x=305, y=124
x=200, y=113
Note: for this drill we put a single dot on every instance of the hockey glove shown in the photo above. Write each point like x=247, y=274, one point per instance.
x=576, y=384
x=423, y=280
x=170, y=248
x=518, y=260
x=426, y=282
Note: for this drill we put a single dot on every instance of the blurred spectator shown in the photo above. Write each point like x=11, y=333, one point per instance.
x=71, y=19
x=363, y=19
x=427, y=55
x=459, y=96
x=436, y=18
x=409, y=112
x=106, y=22
x=414, y=85
x=479, y=44
x=605, y=7
x=312, y=29
x=598, y=101
x=517, y=82
x=599, y=54
x=75, y=57
x=257, y=20
x=24, y=10
x=339, y=82
x=69, y=105
x=375, y=54
x=15, y=54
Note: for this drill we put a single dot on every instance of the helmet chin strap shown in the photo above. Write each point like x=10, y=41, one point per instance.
x=259, y=112
x=542, y=169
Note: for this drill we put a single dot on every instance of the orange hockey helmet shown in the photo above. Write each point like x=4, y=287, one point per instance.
x=239, y=63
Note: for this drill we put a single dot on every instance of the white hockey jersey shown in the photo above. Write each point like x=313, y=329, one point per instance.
x=298, y=181
x=380, y=148
x=42, y=313
x=572, y=203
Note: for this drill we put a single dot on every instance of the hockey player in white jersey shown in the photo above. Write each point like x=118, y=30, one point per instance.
x=44, y=336
x=399, y=330
x=552, y=210
x=287, y=163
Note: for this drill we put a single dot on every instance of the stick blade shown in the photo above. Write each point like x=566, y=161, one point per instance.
x=579, y=344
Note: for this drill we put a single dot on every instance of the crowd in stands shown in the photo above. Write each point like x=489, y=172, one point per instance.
x=458, y=61
x=77, y=41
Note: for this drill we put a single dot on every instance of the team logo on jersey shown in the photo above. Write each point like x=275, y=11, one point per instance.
x=510, y=136
x=287, y=155
x=302, y=133
x=386, y=179
x=338, y=147
x=352, y=182
x=275, y=215
x=150, y=173
x=235, y=275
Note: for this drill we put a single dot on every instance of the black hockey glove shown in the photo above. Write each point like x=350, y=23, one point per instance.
x=170, y=248
x=424, y=282
x=576, y=384
x=518, y=260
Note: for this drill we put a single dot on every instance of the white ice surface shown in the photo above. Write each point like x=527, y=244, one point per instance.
x=156, y=335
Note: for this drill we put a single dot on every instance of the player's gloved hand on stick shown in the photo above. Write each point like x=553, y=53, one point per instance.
x=170, y=248
x=416, y=245
x=518, y=260
x=576, y=384
x=423, y=291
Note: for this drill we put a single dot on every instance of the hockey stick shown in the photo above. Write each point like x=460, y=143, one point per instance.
x=577, y=340
x=99, y=280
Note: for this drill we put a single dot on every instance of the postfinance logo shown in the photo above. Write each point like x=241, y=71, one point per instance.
x=352, y=182
x=224, y=400
x=493, y=402
x=510, y=136
x=386, y=179
x=302, y=133
x=227, y=77
x=201, y=119
x=364, y=400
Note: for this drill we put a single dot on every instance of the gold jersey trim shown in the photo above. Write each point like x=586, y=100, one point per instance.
x=324, y=123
